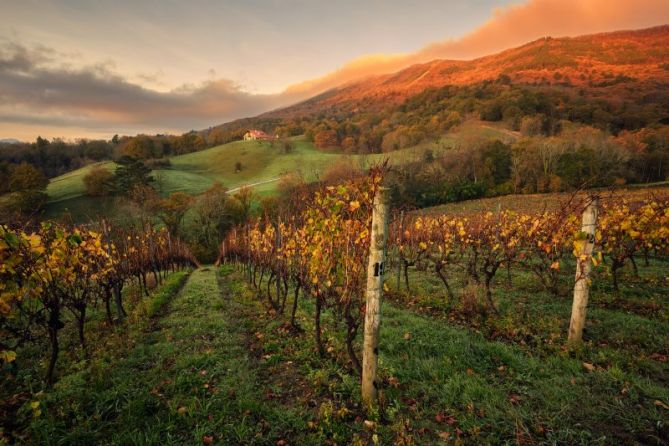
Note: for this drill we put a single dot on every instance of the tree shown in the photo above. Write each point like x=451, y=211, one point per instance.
x=287, y=146
x=246, y=198
x=349, y=144
x=173, y=209
x=25, y=177
x=131, y=173
x=26, y=202
x=497, y=157
x=140, y=147
x=212, y=217
x=26, y=184
x=99, y=182
x=326, y=139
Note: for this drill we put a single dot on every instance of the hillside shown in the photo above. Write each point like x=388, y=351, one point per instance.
x=262, y=165
x=618, y=66
x=626, y=62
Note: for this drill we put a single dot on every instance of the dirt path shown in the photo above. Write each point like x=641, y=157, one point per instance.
x=236, y=189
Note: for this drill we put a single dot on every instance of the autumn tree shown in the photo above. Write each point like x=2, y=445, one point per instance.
x=142, y=147
x=25, y=177
x=326, y=139
x=99, y=182
x=26, y=184
x=173, y=209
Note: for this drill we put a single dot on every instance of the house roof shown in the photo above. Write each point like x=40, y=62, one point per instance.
x=258, y=133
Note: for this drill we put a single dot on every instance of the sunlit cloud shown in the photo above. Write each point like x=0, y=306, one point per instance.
x=508, y=27
x=59, y=92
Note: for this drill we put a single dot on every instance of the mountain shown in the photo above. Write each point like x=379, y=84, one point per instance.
x=627, y=62
x=9, y=141
x=622, y=65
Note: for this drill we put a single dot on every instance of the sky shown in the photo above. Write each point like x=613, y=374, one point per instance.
x=94, y=68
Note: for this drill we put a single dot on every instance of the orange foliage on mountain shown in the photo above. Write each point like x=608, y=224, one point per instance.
x=610, y=65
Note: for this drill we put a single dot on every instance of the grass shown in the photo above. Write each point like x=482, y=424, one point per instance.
x=211, y=364
x=195, y=172
x=184, y=378
x=461, y=378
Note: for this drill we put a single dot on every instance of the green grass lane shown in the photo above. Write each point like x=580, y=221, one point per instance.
x=187, y=380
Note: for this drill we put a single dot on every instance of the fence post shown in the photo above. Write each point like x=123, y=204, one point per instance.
x=400, y=229
x=583, y=267
x=375, y=271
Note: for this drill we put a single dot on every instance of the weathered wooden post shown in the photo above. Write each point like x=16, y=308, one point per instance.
x=375, y=271
x=400, y=229
x=583, y=267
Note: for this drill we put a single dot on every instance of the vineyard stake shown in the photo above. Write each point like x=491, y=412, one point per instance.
x=583, y=267
x=375, y=271
x=399, y=256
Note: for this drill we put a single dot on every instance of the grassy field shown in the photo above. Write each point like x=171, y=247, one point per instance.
x=261, y=162
x=211, y=364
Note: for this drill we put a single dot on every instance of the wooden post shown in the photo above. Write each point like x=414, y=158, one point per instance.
x=375, y=271
x=583, y=267
x=399, y=256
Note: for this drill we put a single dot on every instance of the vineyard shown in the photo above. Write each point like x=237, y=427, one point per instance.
x=55, y=270
x=476, y=336
x=322, y=253
x=323, y=250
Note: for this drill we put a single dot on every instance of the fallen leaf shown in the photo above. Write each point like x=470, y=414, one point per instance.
x=659, y=403
x=589, y=367
x=394, y=382
x=407, y=335
x=444, y=435
x=369, y=424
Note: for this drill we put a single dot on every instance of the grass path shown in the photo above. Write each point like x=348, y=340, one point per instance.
x=187, y=380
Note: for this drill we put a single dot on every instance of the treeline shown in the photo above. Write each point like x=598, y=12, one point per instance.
x=479, y=167
x=579, y=158
x=374, y=126
x=56, y=157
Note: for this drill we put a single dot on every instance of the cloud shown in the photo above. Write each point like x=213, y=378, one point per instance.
x=507, y=28
x=35, y=90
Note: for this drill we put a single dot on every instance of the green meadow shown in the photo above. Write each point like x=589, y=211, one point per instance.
x=261, y=162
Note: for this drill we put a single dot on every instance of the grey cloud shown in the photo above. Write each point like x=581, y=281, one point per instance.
x=35, y=90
